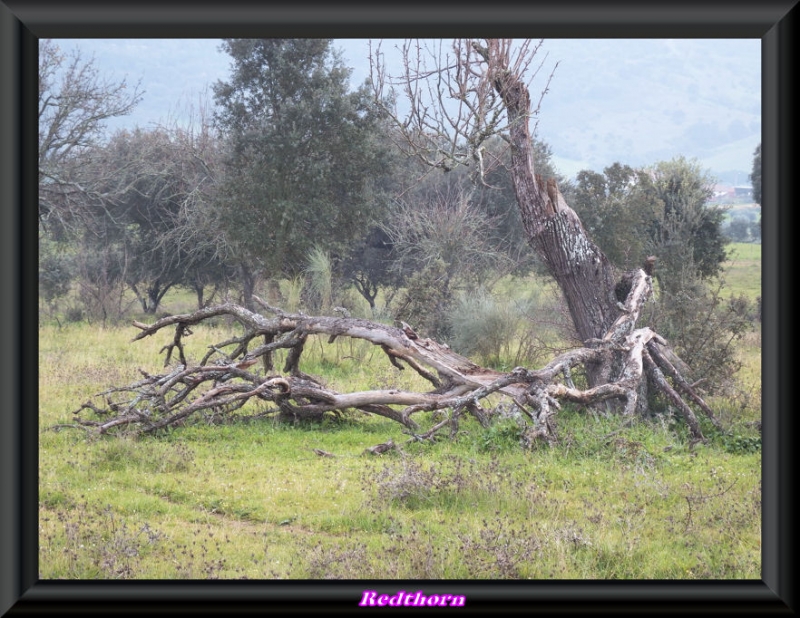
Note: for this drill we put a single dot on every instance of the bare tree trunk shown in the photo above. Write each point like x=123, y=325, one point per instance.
x=248, y=285
x=199, y=290
x=581, y=270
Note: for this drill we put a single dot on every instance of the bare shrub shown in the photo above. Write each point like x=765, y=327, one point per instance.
x=338, y=563
x=490, y=327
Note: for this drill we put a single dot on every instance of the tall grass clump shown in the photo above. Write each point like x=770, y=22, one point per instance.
x=320, y=279
x=292, y=292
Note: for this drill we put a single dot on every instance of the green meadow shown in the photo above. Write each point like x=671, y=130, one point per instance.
x=743, y=271
x=249, y=498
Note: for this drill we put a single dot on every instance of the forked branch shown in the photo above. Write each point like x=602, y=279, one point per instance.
x=226, y=381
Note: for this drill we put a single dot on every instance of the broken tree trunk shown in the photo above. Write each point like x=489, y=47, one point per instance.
x=241, y=369
x=554, y=230
x=487, y=82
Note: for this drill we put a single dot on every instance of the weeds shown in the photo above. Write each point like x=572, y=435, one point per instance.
x=500, y=550
x=444, y=515
x=96, y=545
x=334, y=563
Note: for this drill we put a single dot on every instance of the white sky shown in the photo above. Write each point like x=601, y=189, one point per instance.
x=636, y=101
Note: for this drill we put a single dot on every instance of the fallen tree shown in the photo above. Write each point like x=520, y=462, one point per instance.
x=624, y=365
x=226, y=378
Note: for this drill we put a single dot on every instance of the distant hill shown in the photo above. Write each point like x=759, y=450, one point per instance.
x=642, y=101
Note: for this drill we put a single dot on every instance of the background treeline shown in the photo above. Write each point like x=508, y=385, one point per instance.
x=290, y=185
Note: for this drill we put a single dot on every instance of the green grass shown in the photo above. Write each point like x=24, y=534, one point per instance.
x=743, y=270
x=252, y=499
x=255, y=503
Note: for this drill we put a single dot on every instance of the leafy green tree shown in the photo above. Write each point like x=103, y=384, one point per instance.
x=614, y=212
x=661, y=210
x=686, y=233
x=739, y=229
x=703, y=324
x=56, y=270
x=369, y=265
x=686, y=236
x=160, y=179
x=755, y=176
x=305, y=155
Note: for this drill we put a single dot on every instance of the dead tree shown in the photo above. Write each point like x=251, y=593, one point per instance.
x=75, y=101
x=458, y=96
x=485, y=82
x=242, y=369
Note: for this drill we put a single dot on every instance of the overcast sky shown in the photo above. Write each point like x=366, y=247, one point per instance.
x=636, y=101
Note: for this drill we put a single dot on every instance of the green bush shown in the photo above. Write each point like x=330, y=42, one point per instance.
x=702, y=326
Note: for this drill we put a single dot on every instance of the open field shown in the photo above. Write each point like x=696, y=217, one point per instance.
x=743, y=271
x=251, y=499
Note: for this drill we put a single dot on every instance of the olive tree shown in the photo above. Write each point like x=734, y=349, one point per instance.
x=305, y=155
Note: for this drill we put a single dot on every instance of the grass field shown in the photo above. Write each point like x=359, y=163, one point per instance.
x=743, y=270
x=252, y=499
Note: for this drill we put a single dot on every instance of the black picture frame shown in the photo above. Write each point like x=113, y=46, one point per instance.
x=23, y=22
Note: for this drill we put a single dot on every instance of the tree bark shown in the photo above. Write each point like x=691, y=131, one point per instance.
x=486, y=81
x=555, y=232
x=248, y=284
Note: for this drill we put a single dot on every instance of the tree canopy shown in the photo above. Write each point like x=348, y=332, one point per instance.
x=686, y=234
x=755, y=175
x=660, y=210
x=305, y=153
x=74, y=103
x=162, y=179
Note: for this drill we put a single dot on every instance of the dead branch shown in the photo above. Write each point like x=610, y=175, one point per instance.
x=449, y=90
x=227, y=383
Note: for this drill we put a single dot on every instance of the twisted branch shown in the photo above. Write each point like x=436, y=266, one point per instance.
x=459, y=385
